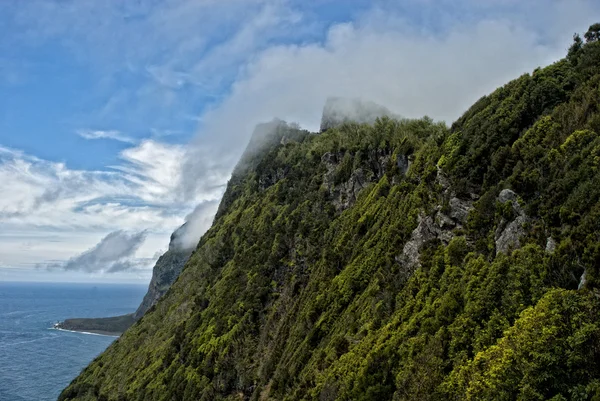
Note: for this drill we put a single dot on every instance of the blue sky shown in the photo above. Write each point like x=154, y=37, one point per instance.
x=118, y=119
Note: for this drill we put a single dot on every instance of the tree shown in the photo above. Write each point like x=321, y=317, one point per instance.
x=575, y=48
x=593, y=33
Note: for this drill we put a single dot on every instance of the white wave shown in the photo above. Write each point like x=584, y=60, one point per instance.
x=24, y=342
x=82, y=332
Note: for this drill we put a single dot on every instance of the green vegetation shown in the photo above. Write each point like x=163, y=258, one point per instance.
x=303, y=288
x=103, y=325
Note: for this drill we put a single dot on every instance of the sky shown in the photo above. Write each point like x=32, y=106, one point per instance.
x=119, y=121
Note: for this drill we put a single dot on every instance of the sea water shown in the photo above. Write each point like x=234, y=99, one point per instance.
x=36, y=361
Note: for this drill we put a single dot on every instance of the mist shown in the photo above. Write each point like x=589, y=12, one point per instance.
x=196, y=223
x=377, y=65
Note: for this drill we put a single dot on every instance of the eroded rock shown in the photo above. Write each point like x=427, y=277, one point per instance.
x=344, y=194
x=459, y=209
x=403, y=163
x=550, y=245
x=582, y=281
x=508, y=233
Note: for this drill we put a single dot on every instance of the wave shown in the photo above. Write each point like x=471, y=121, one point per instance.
x=12, y=344
x=83, y=332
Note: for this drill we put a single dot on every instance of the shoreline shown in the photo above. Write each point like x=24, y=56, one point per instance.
x=89, y=332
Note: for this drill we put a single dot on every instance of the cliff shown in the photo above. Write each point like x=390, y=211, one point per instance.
x=397, y=260
x=164, y=273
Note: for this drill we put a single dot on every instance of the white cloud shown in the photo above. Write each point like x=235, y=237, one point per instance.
x=45, y=202
x=197, y=222
x=99, y=134
x=114, y=253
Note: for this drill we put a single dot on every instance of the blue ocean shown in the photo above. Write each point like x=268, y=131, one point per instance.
x=36, y=361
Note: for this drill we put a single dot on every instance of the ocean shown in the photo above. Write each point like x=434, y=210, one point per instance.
x=36, y=361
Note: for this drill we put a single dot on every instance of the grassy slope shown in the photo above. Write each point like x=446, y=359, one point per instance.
x=287, y=298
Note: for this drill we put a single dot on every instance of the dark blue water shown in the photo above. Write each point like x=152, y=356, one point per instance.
x=37, y=362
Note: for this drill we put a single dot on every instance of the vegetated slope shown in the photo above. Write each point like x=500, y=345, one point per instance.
x=113, y=325
x=395, y=261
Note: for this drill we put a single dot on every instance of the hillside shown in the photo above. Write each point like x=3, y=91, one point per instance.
x=400, y=260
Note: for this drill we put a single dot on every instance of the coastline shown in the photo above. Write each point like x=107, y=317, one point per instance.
x=89, y=332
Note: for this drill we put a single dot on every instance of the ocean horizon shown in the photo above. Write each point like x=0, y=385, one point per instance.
x=38, y=361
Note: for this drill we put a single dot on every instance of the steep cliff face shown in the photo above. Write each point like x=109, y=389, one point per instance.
x=397, y=260
x=165, y=272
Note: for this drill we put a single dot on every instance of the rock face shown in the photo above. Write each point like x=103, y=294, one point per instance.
x=343, y=194
x=165, y=272
x=440, y=226
x=508, y=233
x=344, y=186
x=550, y=245
x=582, y=281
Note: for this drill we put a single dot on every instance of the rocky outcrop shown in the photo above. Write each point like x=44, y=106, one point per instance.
x=165, y=272
x=509, y=232
x=344, y=192
x=439, y=226
x=403, y=162
x=550, y=245
x=582, y=280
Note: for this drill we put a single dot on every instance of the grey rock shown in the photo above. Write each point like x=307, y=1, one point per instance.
x=507, y=195
x=165, y=272
x=443, y=221
x=440, y=227
x=343, y=195
x=403, y=163
x=508, y=234
x=426, y=231
x=582, y=281
x=550, y=245
x=442, y=180
x=268, y=179
x=459, y=209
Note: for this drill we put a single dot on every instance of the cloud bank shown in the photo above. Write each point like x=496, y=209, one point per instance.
x=114, y=253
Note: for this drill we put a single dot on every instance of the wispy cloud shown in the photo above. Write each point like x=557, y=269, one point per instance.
x=112, y=134
x=197, y=222
x=114, y=253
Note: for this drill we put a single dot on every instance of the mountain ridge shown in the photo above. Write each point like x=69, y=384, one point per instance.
x=396, y=260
